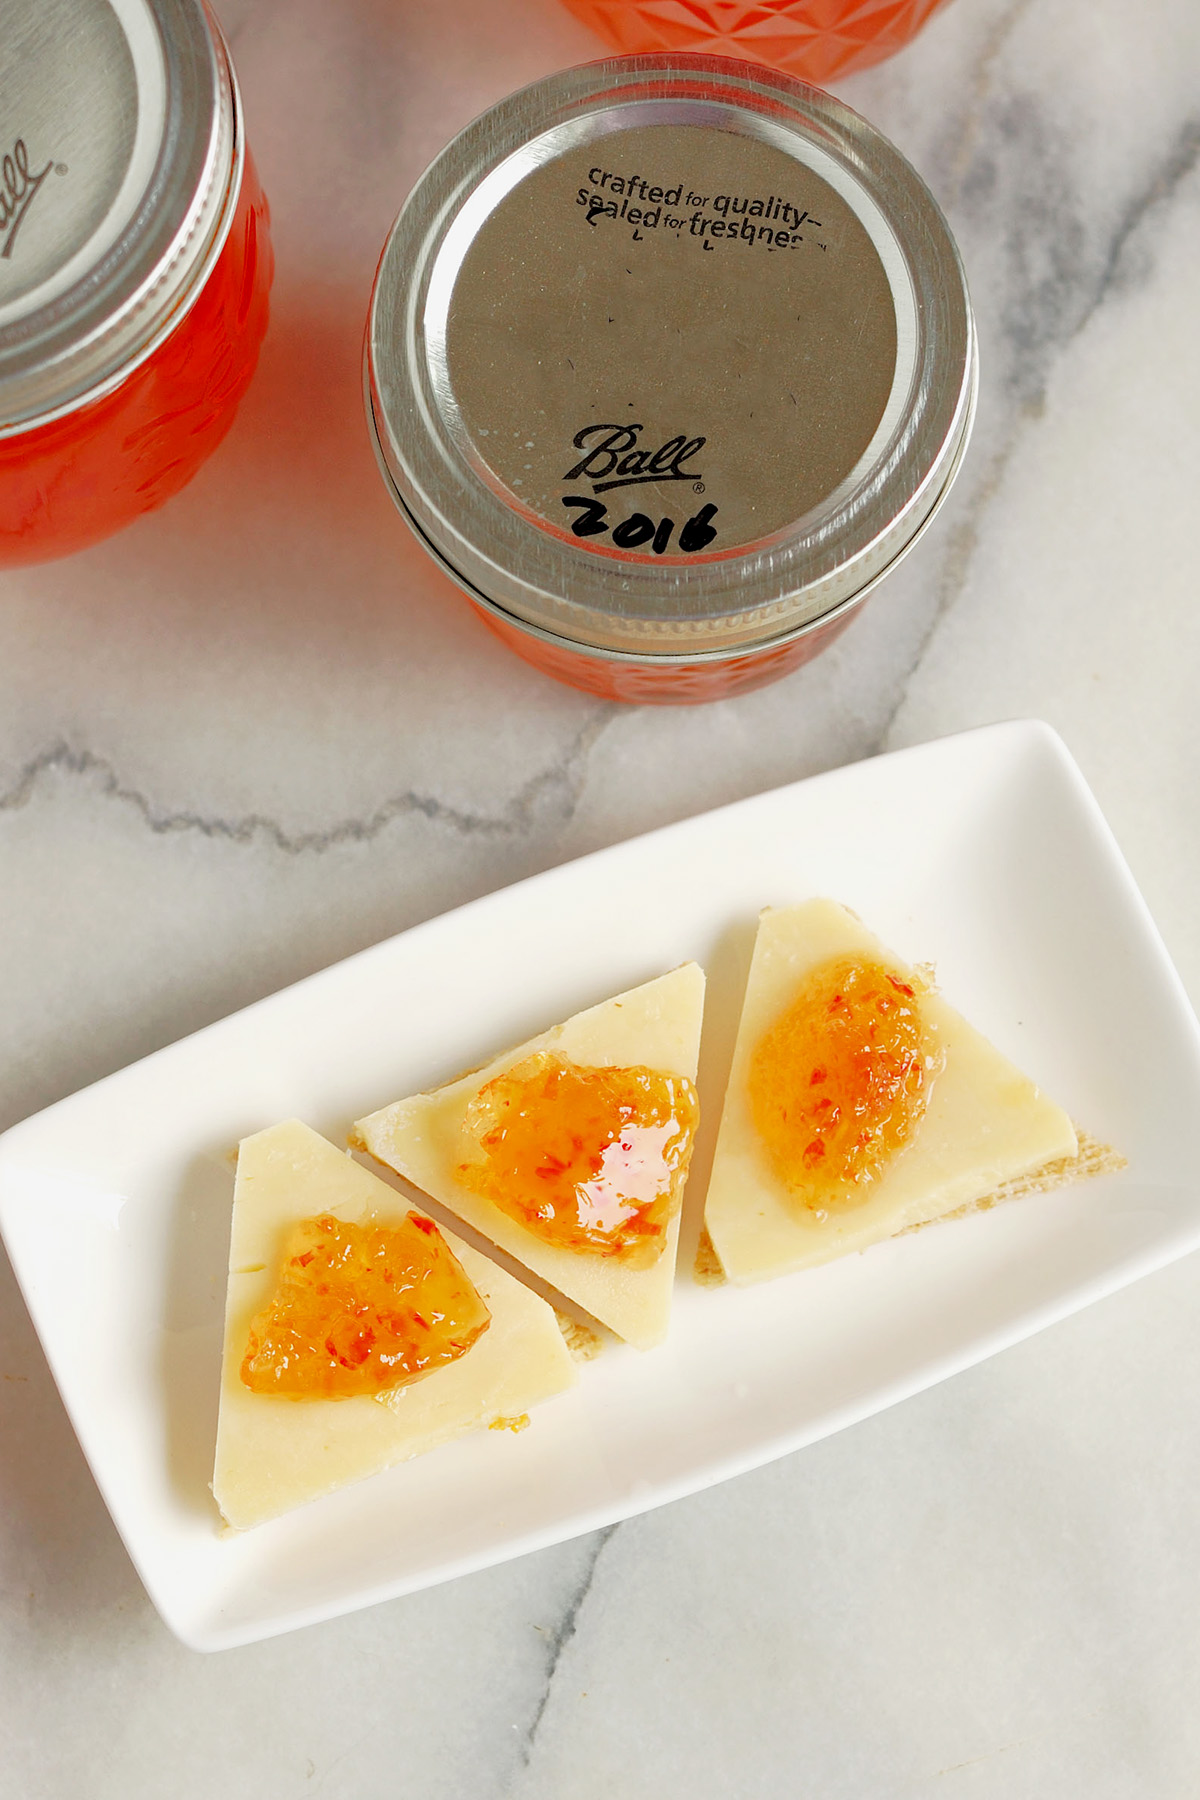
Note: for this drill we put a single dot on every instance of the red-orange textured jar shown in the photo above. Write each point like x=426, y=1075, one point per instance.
x=669, y=360
x=135, y=264
x=660, y=682
x=815, y=39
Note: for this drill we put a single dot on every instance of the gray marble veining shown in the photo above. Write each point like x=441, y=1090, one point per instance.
x=259, y=731
x=549, y=794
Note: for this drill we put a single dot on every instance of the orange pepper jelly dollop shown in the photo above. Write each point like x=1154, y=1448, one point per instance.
x=591, y=1159
x=840, y=1081
x=361, y=1308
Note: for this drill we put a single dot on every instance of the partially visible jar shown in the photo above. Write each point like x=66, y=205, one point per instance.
x=135, y=263
x=818, y=40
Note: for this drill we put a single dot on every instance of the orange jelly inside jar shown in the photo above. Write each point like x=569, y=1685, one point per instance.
x=840, y=1081
x=590, y=1159
x=359, y=1309
x=815, y=39
x=91, y=471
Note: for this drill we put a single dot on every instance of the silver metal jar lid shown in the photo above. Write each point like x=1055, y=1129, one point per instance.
x=669, y=356
x=120, y=151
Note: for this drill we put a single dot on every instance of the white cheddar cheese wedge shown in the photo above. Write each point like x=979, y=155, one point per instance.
x=273, y=1453
x=985, y=1122
x=424, y=1139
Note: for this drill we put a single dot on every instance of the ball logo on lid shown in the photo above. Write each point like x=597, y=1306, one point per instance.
x=613, y=459
x=19, y=188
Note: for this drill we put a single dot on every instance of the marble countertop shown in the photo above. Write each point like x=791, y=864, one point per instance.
x=259, y=731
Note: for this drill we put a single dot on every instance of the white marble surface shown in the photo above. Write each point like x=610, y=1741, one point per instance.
x=259, y=731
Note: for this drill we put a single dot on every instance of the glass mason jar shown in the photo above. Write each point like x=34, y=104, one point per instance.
x=818, y=40
x=135, y=263
x=669, y=360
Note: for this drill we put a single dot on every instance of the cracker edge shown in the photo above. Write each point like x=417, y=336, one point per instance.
x=1093, y=1157
x=582, y=1342
x=707, y=1270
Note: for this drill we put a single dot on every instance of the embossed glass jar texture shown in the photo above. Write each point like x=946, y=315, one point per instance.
x=818, y=40
x=135, y=263
x=668, y=361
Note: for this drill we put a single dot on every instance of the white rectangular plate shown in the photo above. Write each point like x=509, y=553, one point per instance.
x=984, y=854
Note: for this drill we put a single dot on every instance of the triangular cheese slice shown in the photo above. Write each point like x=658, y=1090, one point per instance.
x=273, y=1453
x=984, y=1125
x=423, y=1138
